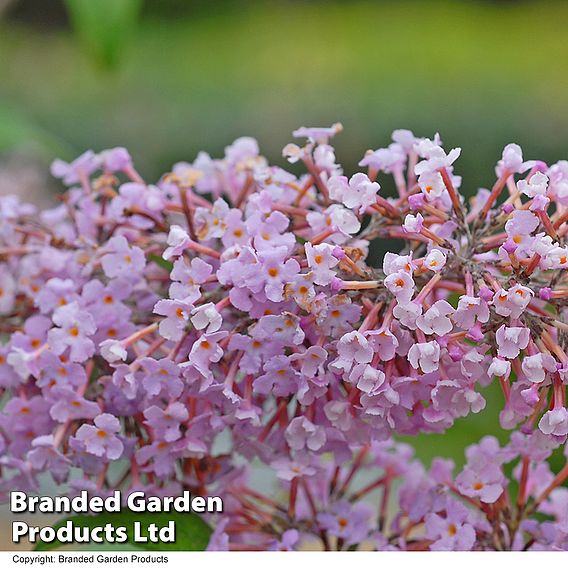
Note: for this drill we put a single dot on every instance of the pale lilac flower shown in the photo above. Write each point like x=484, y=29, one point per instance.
x=431, y=184
x=413, y=223
x=470, y=310
x=46, y=457
x=113, y=351
x=396, y=262
x=536, y=185
x=357, y=194
x=116, y=159
x=72, y=172
x=436, y=319
x=511, y=341
x=161, y=377
x=512, y=161
x=166, y=423
x=383, y=342
x=287, y=469
x=408, y=314
x=288, y=542
x=177, y=317
x=555, y=422
x=346, y=521
x=482, y=481
x=352, y=348
x=435, y=260
x=386, y=160
x=210, y=223
x=367, y=378
x=435, y=156
x=75, y=326
x=318, y=134
x=187, y=278
x=401, y=285
x=321, y=261
x=499, y=367
x=519, y=228
x=206, y=317
x=100, y=439
x=535, y=367
x=178, y=241
x=69, y=405
x=303, y=434
x=425, y=356
x=451, y=532
x=512, y=302
x=277, y=272
x=206, y=350
x=120, y=260
x=311, y=360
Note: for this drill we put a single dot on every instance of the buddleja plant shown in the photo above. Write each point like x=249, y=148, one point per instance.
x=228, y=314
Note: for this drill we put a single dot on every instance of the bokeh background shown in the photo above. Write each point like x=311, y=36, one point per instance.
x=167, y=78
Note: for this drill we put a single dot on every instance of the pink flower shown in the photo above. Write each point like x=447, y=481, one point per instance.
x=499, y=368
x=511, y=340
x=407, y=314
x=178, y=241
x=482, y=481
x=435, y=156
x=555, y=422
x=401, y=285
x=535, y=367
x=536, y=185
x=436, y=319
x=431, y=184
x=358, y=194
x=319, y=135
x=512, y=161
x=321, y=261
x=122, y=260
x=71, y=173
x=413, y=223
x=74, y=331
x=302, y=434
x=206, y=317
x=352, y=348
x=177, y=316
x=425, y=356
x=435, y=260
x=512, y=303
x=471, y=310
x=100, y=439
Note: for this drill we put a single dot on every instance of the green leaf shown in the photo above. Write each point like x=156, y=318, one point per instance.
x=20, y=132
x=192, y=532
x=165, y=264
x=104, y=26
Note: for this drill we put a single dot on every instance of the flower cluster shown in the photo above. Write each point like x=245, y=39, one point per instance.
x=231, y=313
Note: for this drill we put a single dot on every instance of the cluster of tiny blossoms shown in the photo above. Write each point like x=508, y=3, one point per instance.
x=159, y=337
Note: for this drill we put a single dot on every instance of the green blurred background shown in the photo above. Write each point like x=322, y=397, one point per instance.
x=170, y=77
x=167, y=78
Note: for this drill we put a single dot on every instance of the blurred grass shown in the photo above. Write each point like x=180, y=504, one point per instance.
x=482, y=74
